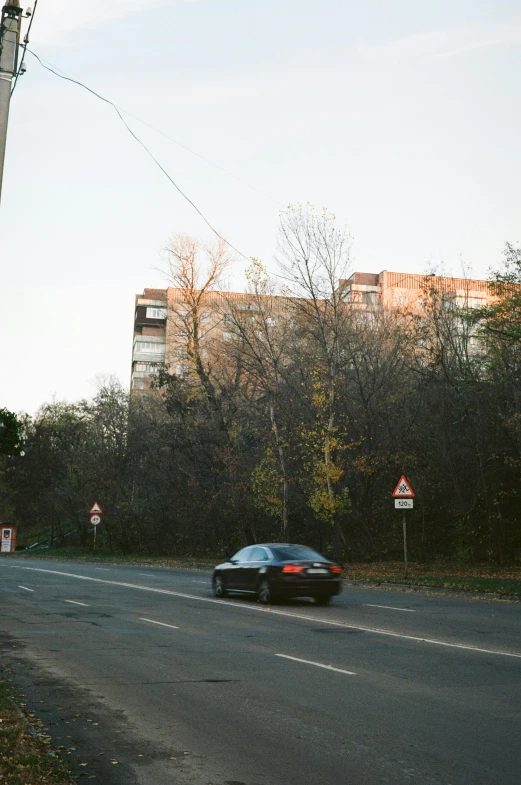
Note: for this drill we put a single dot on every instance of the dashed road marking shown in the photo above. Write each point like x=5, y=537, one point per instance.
x=390, y=607
x=316, y=664
x=161, y=623
x=75, y=602
x=25, y=587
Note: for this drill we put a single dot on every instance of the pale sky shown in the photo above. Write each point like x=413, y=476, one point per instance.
x=402, y=117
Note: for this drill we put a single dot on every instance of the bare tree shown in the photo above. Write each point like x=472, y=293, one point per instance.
x=262, y=325
x=195, y=271
x=314, y=257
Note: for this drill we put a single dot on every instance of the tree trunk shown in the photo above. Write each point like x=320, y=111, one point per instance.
x=282, y=461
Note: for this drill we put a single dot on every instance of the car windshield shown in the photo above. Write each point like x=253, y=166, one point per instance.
x=296, y=552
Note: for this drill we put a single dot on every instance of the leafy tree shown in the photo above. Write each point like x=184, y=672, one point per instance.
x=11, y=433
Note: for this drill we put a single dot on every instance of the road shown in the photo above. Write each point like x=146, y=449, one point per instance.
x=152, y=681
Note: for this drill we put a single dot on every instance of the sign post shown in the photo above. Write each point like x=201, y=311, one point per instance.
x=403, y=496
x=95, y=519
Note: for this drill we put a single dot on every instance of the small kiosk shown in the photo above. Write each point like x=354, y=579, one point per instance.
x=7, y=538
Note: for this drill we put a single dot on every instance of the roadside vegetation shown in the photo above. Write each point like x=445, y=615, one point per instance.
x=298, y=425
x=482, y=578
x=26, y=754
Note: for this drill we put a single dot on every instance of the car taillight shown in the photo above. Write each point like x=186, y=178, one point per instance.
x=335, y=570
x=292, y=568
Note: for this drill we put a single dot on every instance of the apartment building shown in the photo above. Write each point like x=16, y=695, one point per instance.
x=407, y=291
x=159, y=337
x=149, y=343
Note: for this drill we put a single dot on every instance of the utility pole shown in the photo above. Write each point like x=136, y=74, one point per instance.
x=9, y=39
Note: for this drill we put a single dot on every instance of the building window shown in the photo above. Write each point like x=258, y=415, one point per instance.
x=228, y=318
x=156, y=313
x=147, y=368
x=205, y=317
x=147, y=347
x=180, y=369
x=270, y=321
x=370, y=298
x=228, y=336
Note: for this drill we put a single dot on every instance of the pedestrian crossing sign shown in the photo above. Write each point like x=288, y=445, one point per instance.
x=403, y=490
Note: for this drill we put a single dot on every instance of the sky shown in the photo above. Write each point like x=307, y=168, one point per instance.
x=403, y=118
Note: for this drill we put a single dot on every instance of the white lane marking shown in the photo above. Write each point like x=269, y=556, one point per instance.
x=390, y=607
x=206, y=583
x=25, y=587
x=147, y=575
x=314, y=619
x=75, y=602
x=105, y=569
x=162, y=624
x=316, y=664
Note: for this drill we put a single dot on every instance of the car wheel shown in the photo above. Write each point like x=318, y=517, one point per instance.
x=323, y=600
x=264, y=592
x=219, y=587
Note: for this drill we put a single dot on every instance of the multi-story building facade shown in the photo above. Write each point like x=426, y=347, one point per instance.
x=149, y=342
x=159, y=338
x=407, y=291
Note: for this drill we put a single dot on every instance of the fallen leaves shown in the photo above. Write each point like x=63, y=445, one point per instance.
x=26, y=757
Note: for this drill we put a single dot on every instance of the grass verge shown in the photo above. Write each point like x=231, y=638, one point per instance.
x=26, y=758
x=88, y=555
x=483, y=578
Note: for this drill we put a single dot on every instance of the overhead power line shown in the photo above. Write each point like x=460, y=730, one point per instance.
x=120, y=112
x=143, y=145
x=58, y=71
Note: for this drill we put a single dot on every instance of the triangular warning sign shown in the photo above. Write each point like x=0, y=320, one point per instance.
x=403, y=490
x=95, y=509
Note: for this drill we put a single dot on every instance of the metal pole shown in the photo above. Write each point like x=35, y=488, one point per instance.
x=405, y=545
x=9, y=39
x=94, y=543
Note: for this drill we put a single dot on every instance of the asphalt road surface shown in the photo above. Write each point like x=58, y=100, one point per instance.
x=146, y=679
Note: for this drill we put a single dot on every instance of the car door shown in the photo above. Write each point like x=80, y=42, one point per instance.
x=258, y=557
x=236, y=570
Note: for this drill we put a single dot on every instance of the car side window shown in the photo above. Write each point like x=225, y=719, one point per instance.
x=258, y=554
x=243, y=555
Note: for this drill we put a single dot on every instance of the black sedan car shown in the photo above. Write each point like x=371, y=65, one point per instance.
x=278, y=570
